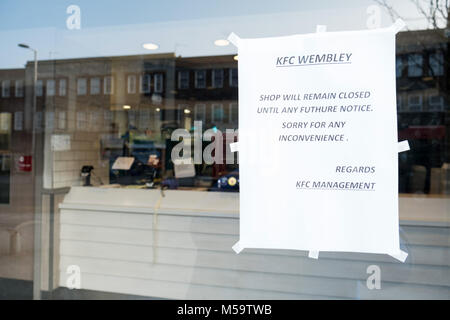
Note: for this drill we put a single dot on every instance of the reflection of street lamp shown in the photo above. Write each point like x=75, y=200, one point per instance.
x=36, y=203
x=34, y=85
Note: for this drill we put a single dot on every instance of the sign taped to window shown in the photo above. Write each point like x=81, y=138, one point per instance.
x=318, y=148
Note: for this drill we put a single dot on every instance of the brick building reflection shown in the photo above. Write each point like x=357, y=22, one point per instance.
x=90, y=111
x=423, y=108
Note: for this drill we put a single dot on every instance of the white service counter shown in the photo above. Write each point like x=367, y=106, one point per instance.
x=184, y=251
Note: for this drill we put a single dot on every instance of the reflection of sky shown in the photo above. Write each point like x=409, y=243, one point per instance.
x=187, y=28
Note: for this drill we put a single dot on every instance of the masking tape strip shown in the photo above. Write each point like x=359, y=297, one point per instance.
x=234, y=147
x=321, y=28
x=234, y=39
x=398, y=25
x=237, y=247
x=403, y=146
x=400, y=256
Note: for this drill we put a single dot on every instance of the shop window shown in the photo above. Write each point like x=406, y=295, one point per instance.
x=95, y=86
x=217, y=78
x=108, y=87
x=19, y=88
x=120, y=96
x=5, y=88
x=50, y=88
x=183, y=79
x=415, y=65
x=62, y=87
x=81, y=86
x=131, y=84
x=200, y=79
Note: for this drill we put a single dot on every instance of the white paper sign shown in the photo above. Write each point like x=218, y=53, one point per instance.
x=318, y=142
x=123, y=163
x=184, y=169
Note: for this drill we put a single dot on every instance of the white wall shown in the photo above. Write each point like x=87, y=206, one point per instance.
x=186, y=253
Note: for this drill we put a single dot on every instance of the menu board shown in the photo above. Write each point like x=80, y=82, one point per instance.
x=318, y=150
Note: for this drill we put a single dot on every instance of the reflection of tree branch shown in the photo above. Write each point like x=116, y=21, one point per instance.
x=443, y=11
x=437, y=11
x=391, y=11
x=427, y=16
x=434, y=7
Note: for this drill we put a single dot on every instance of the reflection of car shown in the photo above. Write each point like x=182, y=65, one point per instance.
x=228, y=182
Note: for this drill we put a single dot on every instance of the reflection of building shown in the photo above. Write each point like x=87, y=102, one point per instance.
x=15, y=144
x=86, y=108
x=90, y=111
x=207, y=91
x=96, y=100
x=93, y=104
x=423, y=108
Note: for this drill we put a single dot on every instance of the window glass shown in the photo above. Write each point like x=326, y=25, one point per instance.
x=233, y=77
x=50, y=87
x=217, y=112
x=217, y=78
x=436, y=64
x=90, y=151
x=183, y=79
x=108, y=85
x=5, y=178
x=399, y=66
x=81, y=86
x=200, y=79
x=39, y=88
x=95, y=86
x=200, y=112
x=131, y=88
x=159, y=84
x=62, y=87
x=19, y=88
x=415, y=65
x=6, y=84
x=145, y=83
